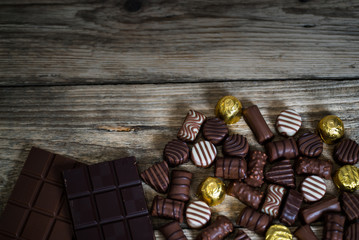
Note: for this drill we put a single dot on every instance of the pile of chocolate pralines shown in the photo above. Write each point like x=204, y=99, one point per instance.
x=245, y=169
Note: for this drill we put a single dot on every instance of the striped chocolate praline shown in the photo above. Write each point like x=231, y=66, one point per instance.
x=347, y=152
x=157, y=176
x=203, y=154
x=310, y=145
x=198, y=214
x=215, y=130
x=176, y=152
x=236, y=146
x=313, y=188
x=191, y=126
x=273, y=200
x=288, y=123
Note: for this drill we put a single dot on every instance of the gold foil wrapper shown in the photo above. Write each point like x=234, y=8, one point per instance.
x=330, y=129
x=229, y=109
x=278, y=232
x=347, y=178
x=212, y=191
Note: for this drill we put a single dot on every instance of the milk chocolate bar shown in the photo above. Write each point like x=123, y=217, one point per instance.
x=253, y=220
x=218, y=230
x=258, y=125
x=315, y=211
x=286, y=149
x=314, y=166
x=231, y=168
x=180, y=185
x=246, y=194
x=167, y=208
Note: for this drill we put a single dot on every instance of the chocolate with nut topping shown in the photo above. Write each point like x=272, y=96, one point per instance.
x=255, y=175
x=314, y=166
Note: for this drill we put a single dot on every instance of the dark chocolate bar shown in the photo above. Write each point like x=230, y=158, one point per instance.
x=231, y=168
x=37, y=208
x=305, y=233
x=350, y=204
x=246, y=194
x=107, y=201
x=157, y=176
x=286, y=149
x=218, y=230
x=176, y=152
x=347, y=152
x=352, y=232
x=281, y=173
x=257, y=124
x=255, y=172
x=167, y=208
x=241, y=235
x=310, y=145
x=236, y=146
x=173, y=231
x=180, y=185
x=315, y=211
x=333, y=226
x=291, y=207
x=314, y=166
x=215, y=130
x=253, y=220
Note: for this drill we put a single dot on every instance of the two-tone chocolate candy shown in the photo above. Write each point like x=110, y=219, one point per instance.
x=180, y=185
x=203, y=154
x=231, y=168
x=281, y=173
x=288, y=123
x=333, y=226
x=314, y=166
x=173, y=231
x=291, y=207
x=218, y=230
x=245, y=193
x=273, y=200
x=253, y=220
x=157, y=176
x=176, y=152
x=167, y=208
x=198, y=214
x=310, y=145
x=305, y=233
x=235, y=145
x=286, y=148
x=257, y=124
x=191, y=126
x=255, y=173
x=347, y=152
x=215, y=130
x=315, y=211
x=313, y=188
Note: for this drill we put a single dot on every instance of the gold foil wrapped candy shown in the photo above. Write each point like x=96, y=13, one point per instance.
x=331, y=129
x=347, y=178
x=229, y=109
x=212, y=191
x=278, y=232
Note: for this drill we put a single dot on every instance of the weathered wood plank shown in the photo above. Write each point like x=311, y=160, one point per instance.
x=66, y=120
x=49, y=42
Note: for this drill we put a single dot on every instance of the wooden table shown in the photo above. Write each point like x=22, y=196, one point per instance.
x=99, y=80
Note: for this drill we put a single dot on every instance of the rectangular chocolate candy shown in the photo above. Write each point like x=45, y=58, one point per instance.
x=291, y=207
x=315, y=211
x=107, y=201
x=37, y=208
x=305, y=233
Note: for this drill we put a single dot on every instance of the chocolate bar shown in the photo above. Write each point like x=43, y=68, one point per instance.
x=173, y=231
x=176, y=152
x=310, y=145
x=37, y=208
x=314, y=166
x=180, y=185
x=281, y=173
x=291, y=207
x=235, y=145
x=286, y=148
x=350, y=205
x=305, y=233
x=157, y=176
x=167, y=208
x=273, y=200
x=246, y=194
x=191, y=126
x=315, y=211
x=107, y=201
x=218, y=230
x=352, y=232
x=256, y=163
x=231, y=168
x=215, y=130
x=347, y=152
x=333, y=226
x=253, y=220
x=241, y=235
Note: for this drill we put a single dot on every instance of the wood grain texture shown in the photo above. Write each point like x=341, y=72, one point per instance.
x=53, y=42
x=77, y=121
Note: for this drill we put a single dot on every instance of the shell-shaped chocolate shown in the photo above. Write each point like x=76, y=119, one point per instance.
x=347, y=152
x=157, y=176
x=310, y=145
x=176, y=152
x=215, y=130
x=236, y=146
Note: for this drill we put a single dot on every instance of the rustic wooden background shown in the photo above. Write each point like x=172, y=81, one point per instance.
x=75, y=73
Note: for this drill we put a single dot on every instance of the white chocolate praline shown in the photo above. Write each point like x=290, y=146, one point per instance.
x=313, y=188
x=288, y=123
x=198, y=214
x=203, y=154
